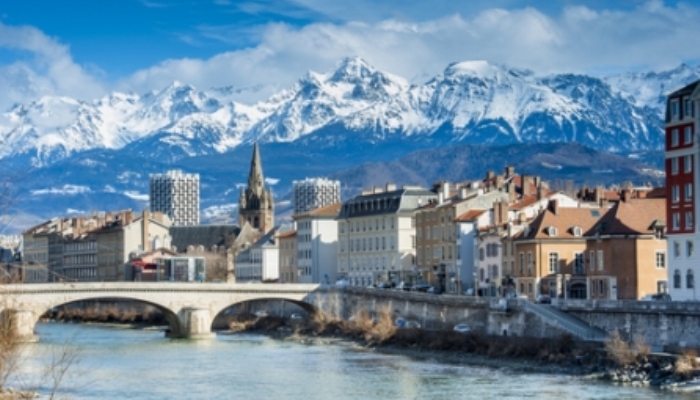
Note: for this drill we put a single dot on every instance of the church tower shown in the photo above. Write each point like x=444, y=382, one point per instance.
x=255, y=205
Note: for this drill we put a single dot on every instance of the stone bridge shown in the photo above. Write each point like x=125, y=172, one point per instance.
x=190, y=308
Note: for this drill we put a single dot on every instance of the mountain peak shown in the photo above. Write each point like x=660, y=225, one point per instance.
x=474, y=67
x=353, y=70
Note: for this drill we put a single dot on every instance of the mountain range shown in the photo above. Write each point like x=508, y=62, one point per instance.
x=102, y=151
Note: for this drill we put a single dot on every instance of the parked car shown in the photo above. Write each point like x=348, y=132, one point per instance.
x=261, y=313
x=434, y=290
x=411, y=324
x=657, y=297
x=342, y=283
x=462, y=328
x=543, y=299
x=404, y=286
x=400, y=322
x=421, y=287
x=383, y=285
x=296, y=316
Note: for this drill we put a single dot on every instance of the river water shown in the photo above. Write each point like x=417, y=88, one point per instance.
x=120, y=363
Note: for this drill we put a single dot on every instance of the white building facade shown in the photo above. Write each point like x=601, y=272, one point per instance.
x=259, y=262
x=317, y=245
x=176, y=194
x=376, y=235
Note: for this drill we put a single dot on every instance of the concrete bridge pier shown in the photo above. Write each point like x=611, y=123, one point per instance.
x=22, y=323
x=196, y=323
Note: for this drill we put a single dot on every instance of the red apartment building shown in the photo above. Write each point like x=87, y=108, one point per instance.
x=682, y=115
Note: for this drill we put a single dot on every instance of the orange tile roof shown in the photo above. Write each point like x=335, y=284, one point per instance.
x=328, y=211
x=635, y=216
x=287, y=234
x=469, y=215
x=564, y=221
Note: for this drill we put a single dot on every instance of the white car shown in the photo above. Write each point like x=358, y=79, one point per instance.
x=342, y=283
x=462, y=328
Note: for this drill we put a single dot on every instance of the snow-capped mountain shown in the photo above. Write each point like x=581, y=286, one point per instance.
x=649, y=89
x=469, y=102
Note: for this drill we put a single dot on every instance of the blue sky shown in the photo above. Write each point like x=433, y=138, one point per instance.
x=85, y=48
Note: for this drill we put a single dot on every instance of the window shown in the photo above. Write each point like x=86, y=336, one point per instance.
x=578, y=263
x=689, y=220
x=591, y=259
x=674, y=108
x=689, y=279
x=689, y=248
x=674, y=137
x=481, y=253
x=427, y=254
x=522, y=263
x=553, y=263
x=677, y=279
x=688, y=107
x=601, y=287
x=552, y=231
x=688, y=164
x=674, y=166
x=675, y=194
x=688, y=191
x=676, y=249
x=600, y=260
x=660, y=259
x=529, y=288
x=577, y=231
x=529, y=263
x=676, y=221
x=688, y=135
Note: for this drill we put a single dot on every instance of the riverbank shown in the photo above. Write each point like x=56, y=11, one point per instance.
x=614, y=361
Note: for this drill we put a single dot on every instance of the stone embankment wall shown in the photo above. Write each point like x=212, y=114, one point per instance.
x=490, y=316
x=658, y=323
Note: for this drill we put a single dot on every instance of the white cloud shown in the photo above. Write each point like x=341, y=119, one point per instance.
x=416, y=44
x=577, y=40
x=136, y=195
x=272, y=181
x=49, y=70
x=66, y=190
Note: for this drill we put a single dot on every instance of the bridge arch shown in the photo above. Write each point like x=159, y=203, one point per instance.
x=189, y=307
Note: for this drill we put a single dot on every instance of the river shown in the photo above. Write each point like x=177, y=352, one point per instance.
x=120, y=363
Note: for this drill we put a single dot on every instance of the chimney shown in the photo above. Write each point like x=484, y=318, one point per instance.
x=377, y=189
x=499, y=182
x=511, y=192
x=598, y=195
x=445, y=189
x=441, y=197
x=390, y=187
x=490, y=175
x=500, y=212
x=626, y=195
x=510, y=171
x=541, y=192
x=145, y=227
x=463, y=192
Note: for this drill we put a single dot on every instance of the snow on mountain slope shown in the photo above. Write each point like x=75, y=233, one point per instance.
x=471, y=101
x=649, y=89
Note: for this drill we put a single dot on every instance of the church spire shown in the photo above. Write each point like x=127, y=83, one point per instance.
x=255, y=178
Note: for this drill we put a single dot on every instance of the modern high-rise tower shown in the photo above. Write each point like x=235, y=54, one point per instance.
x=313, y=193
x=255, y=204
x=176, y=194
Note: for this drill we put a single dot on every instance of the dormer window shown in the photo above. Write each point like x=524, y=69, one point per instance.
x=577, y=231
x=552, y=231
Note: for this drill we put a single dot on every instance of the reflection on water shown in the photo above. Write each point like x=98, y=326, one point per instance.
x=120, y=363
